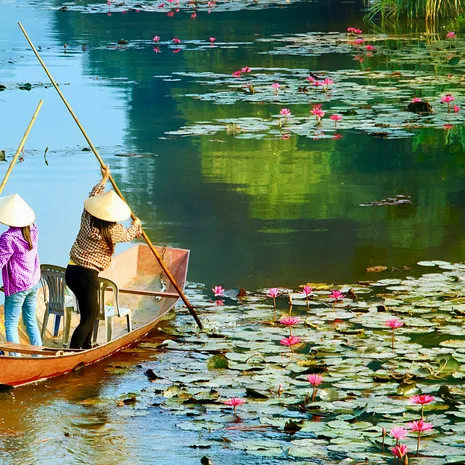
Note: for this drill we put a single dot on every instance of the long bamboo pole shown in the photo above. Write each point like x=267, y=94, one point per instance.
x=20, y=147
x=113, y=183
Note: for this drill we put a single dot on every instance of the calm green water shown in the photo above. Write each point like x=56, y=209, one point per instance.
x=254, y=213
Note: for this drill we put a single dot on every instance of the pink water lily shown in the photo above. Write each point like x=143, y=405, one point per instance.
x=419, y=426
x=357, y=31
x=273, y=292
x=212, y=39
x=285, y=112
x=307, y=290
x=175, y=40
x=194, y=15
x=237, y=73
x=456, y=108
x=336, y=295
x=422, y=400
x=318, y=112
x=218, y=291
x=156, y=38
x=393, y=324
x=450, y=35
x=398, y=433
x=234, y=402
x=416, y=99
x=337, y=136
x=276, y=87
x=327, y=82
x=156, y=49
x=336, y=118
x=246, y=69
x=370, y=48
x=289, y=321
x=359, y=41
x=400, y=450
x=314, y=380
x=290, y=341
x=310, y=78
x=316, y=83
x=447, y=99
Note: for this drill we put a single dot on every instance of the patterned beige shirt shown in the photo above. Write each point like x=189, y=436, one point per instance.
x=89, y=249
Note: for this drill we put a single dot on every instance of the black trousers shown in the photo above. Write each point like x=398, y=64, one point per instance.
x=84, y=283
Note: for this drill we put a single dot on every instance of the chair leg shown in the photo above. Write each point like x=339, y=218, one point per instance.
x=56, y=326
x=109, y=328
x=45, y=323
x=94, y=338
x=67, y=325
x=129, y=322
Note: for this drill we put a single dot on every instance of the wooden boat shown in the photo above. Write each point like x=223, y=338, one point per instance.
x=137, y=274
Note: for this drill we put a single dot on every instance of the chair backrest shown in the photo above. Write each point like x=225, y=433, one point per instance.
x=104, y=284
x=53, y=282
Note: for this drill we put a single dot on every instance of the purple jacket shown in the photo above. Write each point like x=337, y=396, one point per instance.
x=20, y=266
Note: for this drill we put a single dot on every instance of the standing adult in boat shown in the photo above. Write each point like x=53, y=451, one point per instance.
x=92, y=251
x=19, y=262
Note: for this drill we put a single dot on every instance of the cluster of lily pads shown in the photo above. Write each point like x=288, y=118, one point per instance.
x=396, y=71
x=354, y=364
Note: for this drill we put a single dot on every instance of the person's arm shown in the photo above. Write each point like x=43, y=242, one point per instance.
x=120, y=234
x=6, y=251
x=100, y=187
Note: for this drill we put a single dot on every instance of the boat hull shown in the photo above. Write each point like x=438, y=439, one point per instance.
x=17, y=371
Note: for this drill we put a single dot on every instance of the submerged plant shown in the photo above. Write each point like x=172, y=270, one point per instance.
x=315, y=381
x=394, y=324
x=419, y=426
x=234, y=402
x=422, y=400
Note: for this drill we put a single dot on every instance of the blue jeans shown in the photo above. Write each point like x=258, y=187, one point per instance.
x=25, y=301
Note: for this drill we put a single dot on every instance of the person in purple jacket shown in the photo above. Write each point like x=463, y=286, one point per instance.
x=19, y=262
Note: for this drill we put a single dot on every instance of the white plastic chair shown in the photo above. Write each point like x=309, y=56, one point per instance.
x=107, y=312
x=58, y=299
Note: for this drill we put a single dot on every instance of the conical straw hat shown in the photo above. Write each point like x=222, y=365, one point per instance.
x=108, y=206
x=14, y=211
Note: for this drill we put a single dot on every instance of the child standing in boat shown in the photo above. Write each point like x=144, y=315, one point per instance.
x=92, y=251
x=19, y=262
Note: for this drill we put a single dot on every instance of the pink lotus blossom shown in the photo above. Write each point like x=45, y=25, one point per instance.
x=335, y=118
x=394, y=324
x=307, y=290
x=156, y=49
x=357, y=31
x=336, y=295
x=370, y=48
x=359, y=41
x=218, y=290
x=175, y=40
x=161, y=5
x=350, y=29
x=156, y=38
x=246, y=69
x=194, y=15
x=109, y=2
x=285, y=112
x=310, y=78
x=316, y=83
x=337, y=136
x=273, y=292
x=289, y=320
x=448, y=126
x=398, y=432
x=315, y=380
x=318, y=112
x=234, y=402
x=276, y=87
x=328, y=81
x=456, y=108
x=290, y=341
x=359, y=58
x=237, y=73
x=212, y=39
x=419, y=426
x=400, y=450
x=447, y=98
x=421, y=399
x=450, y=35
x=416, y=99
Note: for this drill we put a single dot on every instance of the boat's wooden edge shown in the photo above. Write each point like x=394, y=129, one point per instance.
x=36, y=350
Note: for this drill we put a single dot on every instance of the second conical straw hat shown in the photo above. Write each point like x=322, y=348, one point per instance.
x=14, y=211
x=108, y=206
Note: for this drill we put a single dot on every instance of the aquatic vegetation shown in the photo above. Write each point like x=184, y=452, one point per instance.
x=289, y=321
x=398, y=433
x=419, y=426
x=447, y=99
x=422, y=400
x=234, y=402
x=290, y=342
x=400, y=451
x=394, y=324
x=273, y=293
x=315, y=381
x=218, y=291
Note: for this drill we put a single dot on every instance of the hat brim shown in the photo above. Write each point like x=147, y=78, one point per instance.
x=108, y=207
x=15, y=212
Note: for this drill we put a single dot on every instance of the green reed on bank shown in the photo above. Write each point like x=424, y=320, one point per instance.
x=427, y=9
